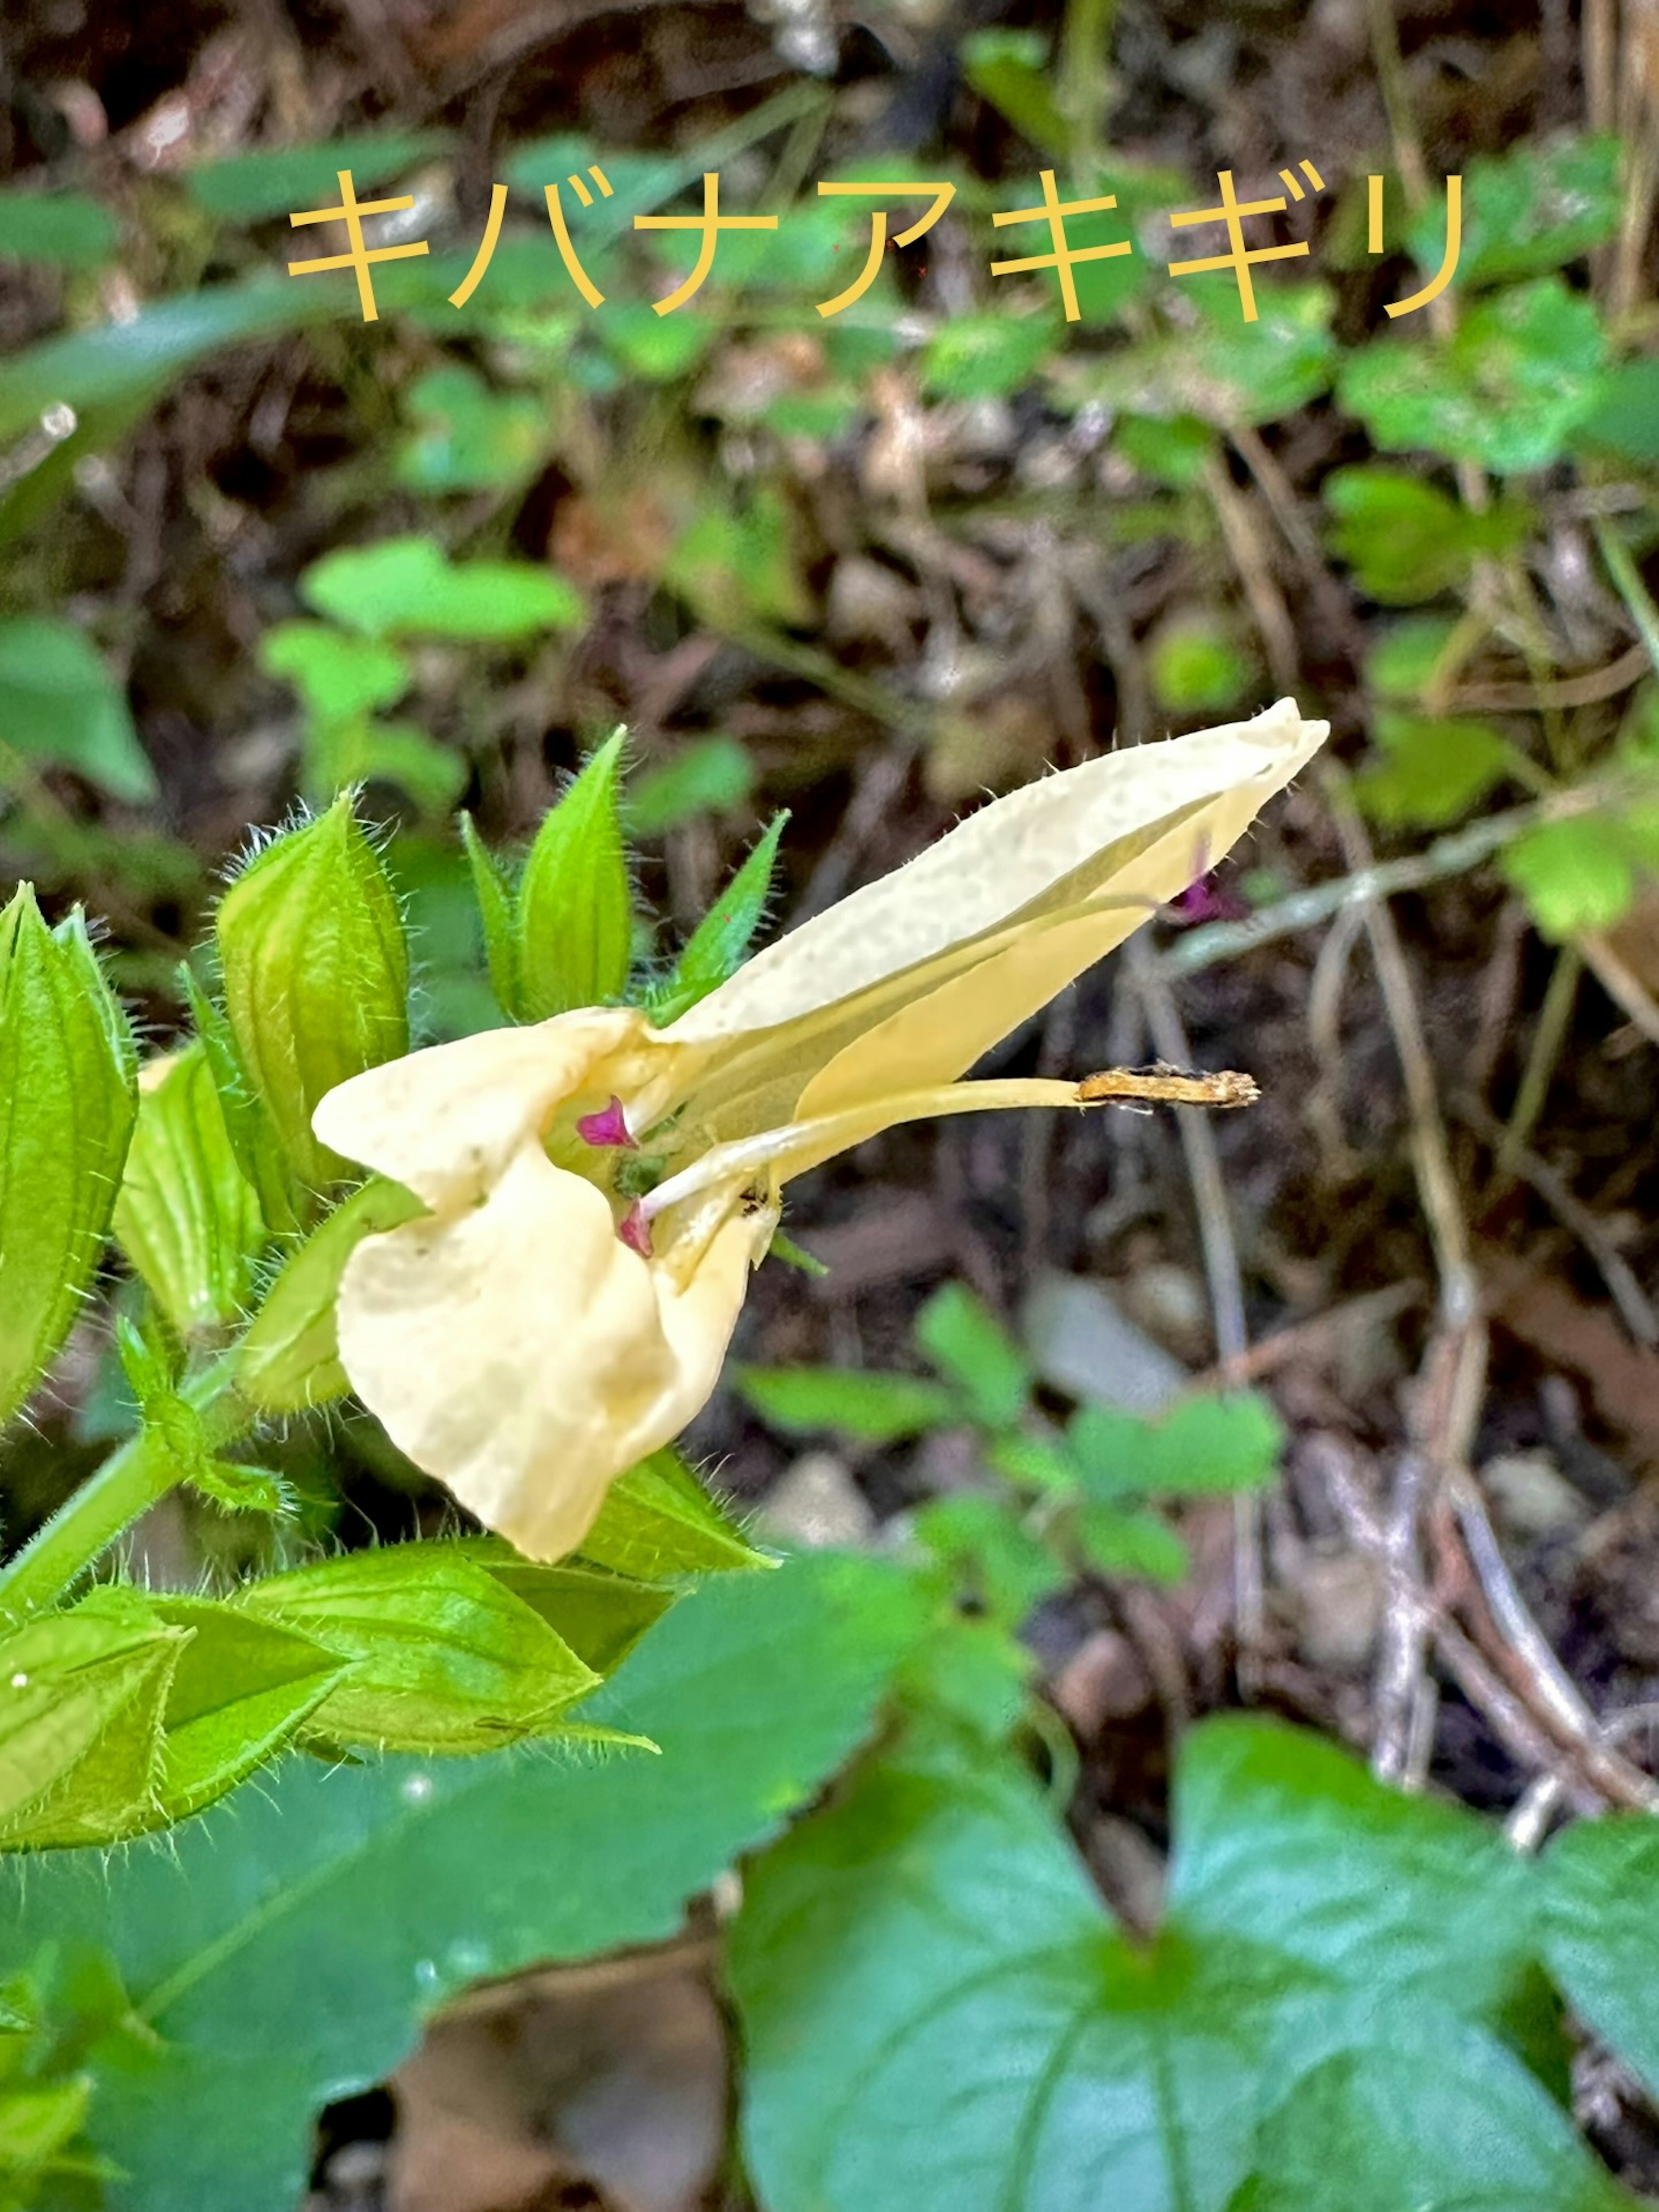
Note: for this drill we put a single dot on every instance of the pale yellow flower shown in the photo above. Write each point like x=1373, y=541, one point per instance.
x=539, y=1330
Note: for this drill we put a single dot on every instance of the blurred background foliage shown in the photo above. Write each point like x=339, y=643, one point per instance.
x=254, y=551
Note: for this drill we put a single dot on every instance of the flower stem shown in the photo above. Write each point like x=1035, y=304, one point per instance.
x=128, y=1484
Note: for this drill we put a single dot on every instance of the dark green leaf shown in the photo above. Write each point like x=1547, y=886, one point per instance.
x=717, y=946
x=576, y=915
x=284, y=1951
x=877, y=1409
x=1600, y=1934
x=316, y=974
x=68, y=1100
x=60, y=708
x=1527, y=210
x=1624, y=420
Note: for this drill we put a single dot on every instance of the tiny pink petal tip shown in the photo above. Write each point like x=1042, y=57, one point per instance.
x=636, y=1231
x=607, y=1127
x=1208, y=901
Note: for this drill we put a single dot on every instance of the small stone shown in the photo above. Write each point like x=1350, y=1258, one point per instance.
x=816, y=1503
x=1337, y=1600
x=1531, y=1496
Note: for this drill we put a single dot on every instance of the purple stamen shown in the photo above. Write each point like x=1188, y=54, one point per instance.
x=608, y=1128
x=1208, y=901
x=635, y=1231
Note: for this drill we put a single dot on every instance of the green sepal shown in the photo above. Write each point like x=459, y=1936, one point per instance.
x=316, y=974
x=248, y=1125
x=718, y=944
x=600, y=1615
x=177, y=1430
x=82, y=1698
x=241, y=1689
x=497, y=913
x=68, y=1101
x=575, y=913
x=657, y=1521
x=446, y=1657
x=187, y=1217
x=290, y=1358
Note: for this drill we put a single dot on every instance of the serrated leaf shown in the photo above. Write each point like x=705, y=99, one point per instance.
x=61, y=707
x=68, y=1101
x=186, y=1217
x=409, y=587
x=876, y=1408
x=82, y=1695
x=715, y=948
x=963, y=1339
x=290, y=1358
x=1507, y=389
x=497, y=917
x=316, y=974
x=1434, y=769
x=657, y=1521
x=575, y=915
x=444, y=1657
x=989, y=2039
x=284, y=1951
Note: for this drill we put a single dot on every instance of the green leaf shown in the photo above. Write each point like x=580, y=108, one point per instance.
x=1116, y=1541
x=336, y=674
x=1527, y=210
x=289, y=1360
x=282, y=180
x=988, y=2039
x=735, y=565
x=1574, y=875
x=705, y=777
x=177, y=1434
x=1004, y=1568
x=64, y=230
x=409, y=587
x=1223, y=371
x=316, y=974
x=446, y=1657
x=1434, y=769
x=987, y=356
x=60, y=708
x=186, y=1217
x=961, y=1338
x=876, y=1408
x=1406, y=541
x=575, y=915
x=1200, y=1446
x=1507, y=389
x=716, y=946
x=80, y=1721
x=470, y=438
x=359, y=750
x=1010, y=68
x=497, y=913
x=1624, y=420
x=1196, y=667
x=68, y=1100
x=284, y=1951
x=1599, y=1887
x=657, y=1521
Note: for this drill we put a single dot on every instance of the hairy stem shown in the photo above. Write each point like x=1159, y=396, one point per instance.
x=129, y=1482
